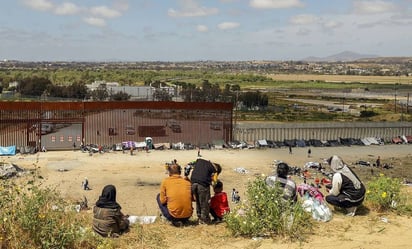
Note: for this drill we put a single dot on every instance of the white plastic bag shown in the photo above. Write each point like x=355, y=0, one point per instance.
x=320, y=211
x=141, y=219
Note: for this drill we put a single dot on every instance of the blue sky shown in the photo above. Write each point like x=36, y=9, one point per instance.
x=189, y=30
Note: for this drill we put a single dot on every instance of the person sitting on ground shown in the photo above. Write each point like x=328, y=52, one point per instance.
x=108, y=220
x=175, y=197
x=347, y=191
x=281, y=179
x=236, y=197
x=219, y=205
x=233, y=194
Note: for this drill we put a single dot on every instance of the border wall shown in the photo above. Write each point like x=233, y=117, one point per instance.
x=252, y=131
x=65, y=125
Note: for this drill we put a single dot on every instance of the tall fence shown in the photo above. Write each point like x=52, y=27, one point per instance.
x=320, y=130
x=65, y=125
x=62, y=125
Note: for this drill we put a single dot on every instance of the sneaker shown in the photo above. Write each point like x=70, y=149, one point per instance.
x=177, y=223
x=351, y=211
x=216, y=221
x=203, y=222
x=163, y=219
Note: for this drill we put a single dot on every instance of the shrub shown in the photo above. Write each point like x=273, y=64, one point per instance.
x=34, y=217
x=265, y=213
x=384, y=193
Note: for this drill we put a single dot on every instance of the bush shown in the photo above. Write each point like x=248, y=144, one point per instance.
x=34, y=217
x=367, y=114
x=384, y=193
x=265, y=213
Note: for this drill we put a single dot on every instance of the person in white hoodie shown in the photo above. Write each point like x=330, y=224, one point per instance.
x=347, y=190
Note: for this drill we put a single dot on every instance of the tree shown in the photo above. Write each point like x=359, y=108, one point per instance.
x=162, y=95
x=120, y=96
x=34, y=86
x=252, y=99
x=100, y=93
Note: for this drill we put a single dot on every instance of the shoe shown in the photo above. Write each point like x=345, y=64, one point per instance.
x=203, y=222
x=163, y=219
x=216, y=221
x=177, y=223
x=351, y=211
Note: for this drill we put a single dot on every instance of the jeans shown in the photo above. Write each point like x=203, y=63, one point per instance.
x=342, y=201
x=202, y=196
x=165, y=211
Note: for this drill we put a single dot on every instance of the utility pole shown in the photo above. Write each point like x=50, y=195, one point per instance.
x=395, y=97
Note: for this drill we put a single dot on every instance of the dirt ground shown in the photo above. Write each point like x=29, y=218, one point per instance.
x=137, y=179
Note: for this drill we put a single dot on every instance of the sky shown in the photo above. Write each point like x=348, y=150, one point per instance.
x=198, y=30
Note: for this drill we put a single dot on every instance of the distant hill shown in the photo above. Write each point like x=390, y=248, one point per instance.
x=343, y=56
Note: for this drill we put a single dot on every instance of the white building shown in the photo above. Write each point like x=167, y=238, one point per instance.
x=135, y=92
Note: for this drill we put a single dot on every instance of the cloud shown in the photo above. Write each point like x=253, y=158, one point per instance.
x=95, y=21
x=373, y=7
x=303, y=32
x=95, y=15
x=275, y=4
x=228, y=25
x=121, y=5
x=332, y=24
x=190, y=8
x=104, y=12
x=42, y=5
x=303, y=19
x=202, y=28
x=67, y=9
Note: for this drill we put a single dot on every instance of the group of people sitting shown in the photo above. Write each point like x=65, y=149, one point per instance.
x=177, y=193
x=346, y=190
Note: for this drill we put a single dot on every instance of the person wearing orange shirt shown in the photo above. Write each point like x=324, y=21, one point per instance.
x=175, y=197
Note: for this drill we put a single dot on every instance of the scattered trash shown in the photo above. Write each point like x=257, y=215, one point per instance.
x=141, y=219
x=241, y=170
x=257, y=238
x=310, y=165
x=8, y=170
x=383, y=219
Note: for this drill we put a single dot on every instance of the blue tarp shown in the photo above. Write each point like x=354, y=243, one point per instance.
x=8, y=151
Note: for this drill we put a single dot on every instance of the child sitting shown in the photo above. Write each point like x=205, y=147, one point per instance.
x=218, y=203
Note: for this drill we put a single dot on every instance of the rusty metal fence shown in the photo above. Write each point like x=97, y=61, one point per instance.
x=62, y=125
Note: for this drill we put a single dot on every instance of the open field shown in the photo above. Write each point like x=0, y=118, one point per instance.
x=342, y=78
x=138, y=178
